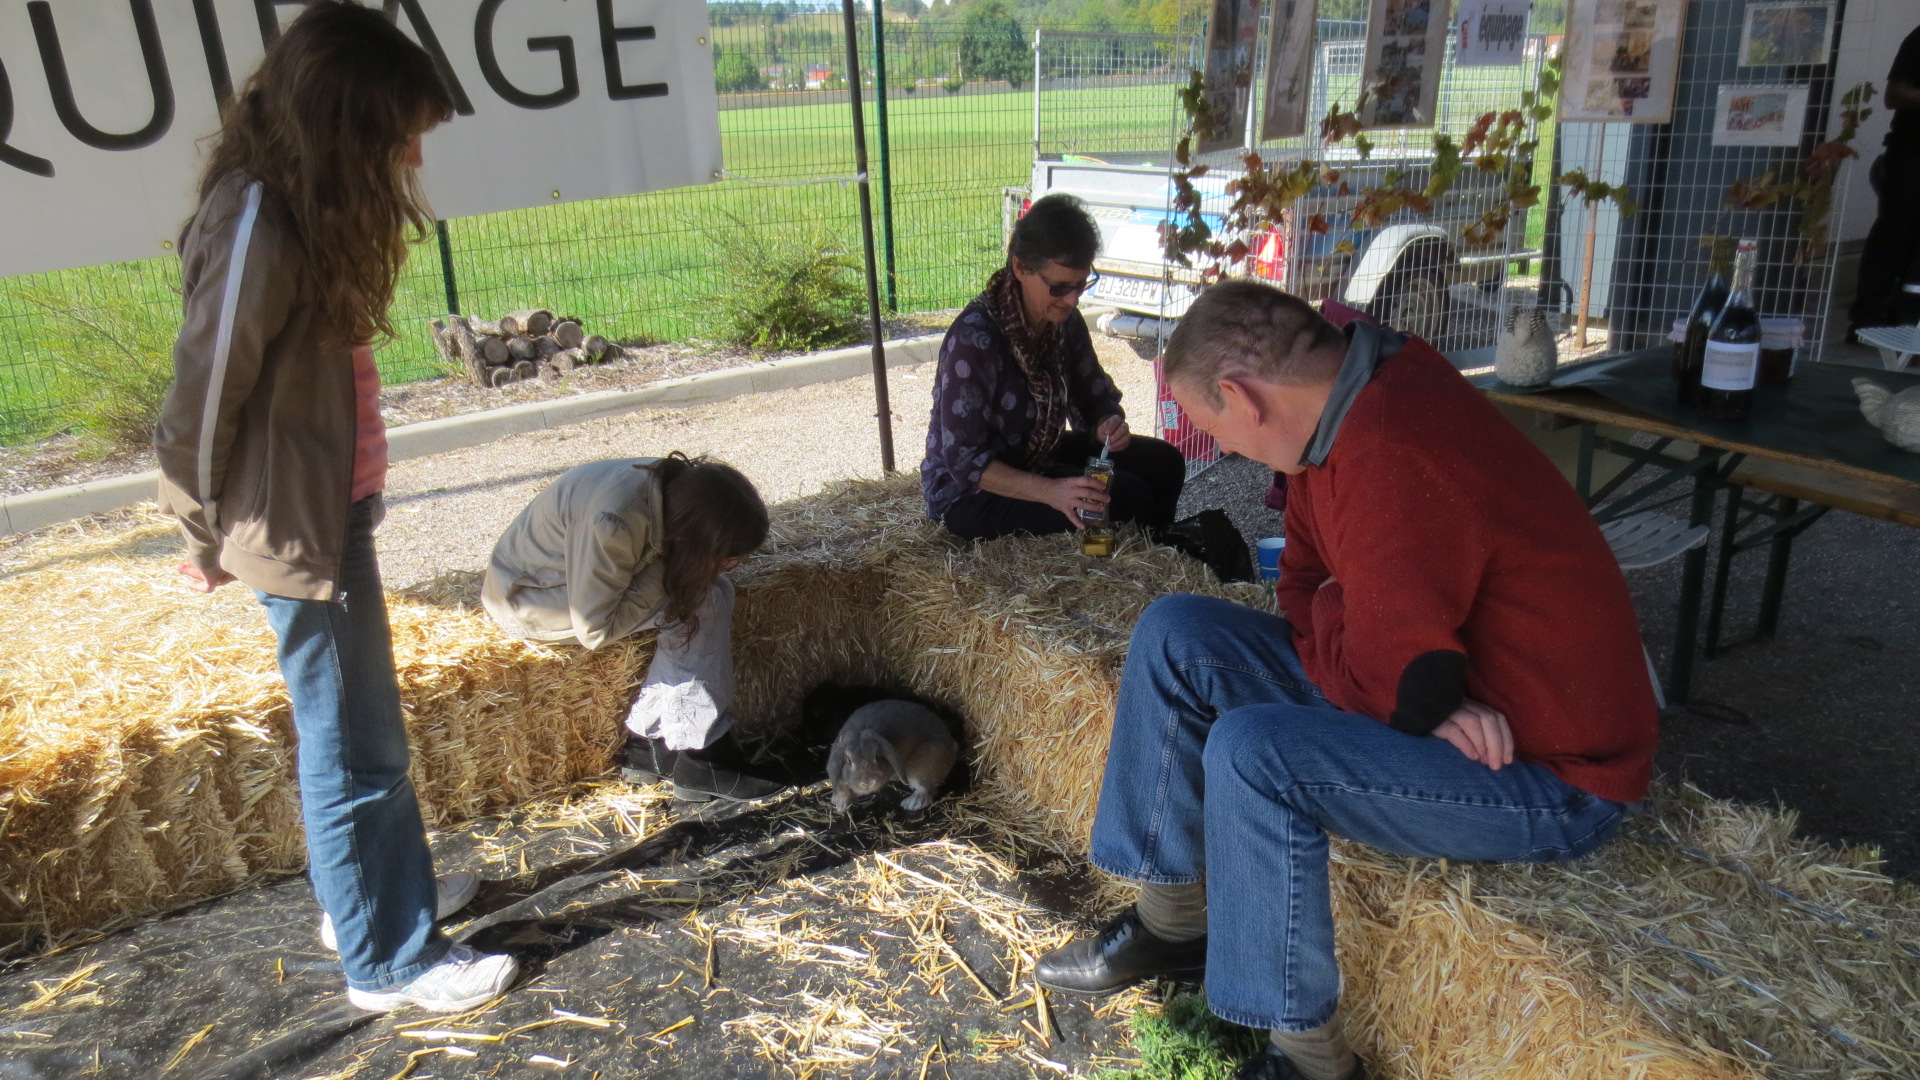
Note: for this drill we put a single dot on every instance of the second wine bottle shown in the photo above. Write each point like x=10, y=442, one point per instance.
x=1731, y=363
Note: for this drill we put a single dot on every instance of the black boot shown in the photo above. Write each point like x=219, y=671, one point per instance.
x=1119, y=956
x=719, y=772
x=1271, y=1064
x=646, y=761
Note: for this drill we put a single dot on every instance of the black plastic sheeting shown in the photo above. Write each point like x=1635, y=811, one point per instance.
x=240, y=988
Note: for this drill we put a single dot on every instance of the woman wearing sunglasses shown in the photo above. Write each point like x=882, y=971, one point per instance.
x=1016, y=368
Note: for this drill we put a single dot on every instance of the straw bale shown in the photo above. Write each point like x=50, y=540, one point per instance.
x=1025, y=637
x=146, y=746
x=807, y=603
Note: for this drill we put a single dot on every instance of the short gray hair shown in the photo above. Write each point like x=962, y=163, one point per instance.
x=1238, y=329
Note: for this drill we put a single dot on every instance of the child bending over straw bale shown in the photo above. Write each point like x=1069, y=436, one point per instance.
x=1471, y=685
x=273, y=457
x=615, y=547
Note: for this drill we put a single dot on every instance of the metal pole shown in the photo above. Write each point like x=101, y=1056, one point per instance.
x=883, y=410
x=1593, y=229
x=446, y=266
x=886, y=152
x=1036, y=93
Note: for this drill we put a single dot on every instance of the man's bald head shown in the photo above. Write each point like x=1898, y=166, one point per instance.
x=1245, y=329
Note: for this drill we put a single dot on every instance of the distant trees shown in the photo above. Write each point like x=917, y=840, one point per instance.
x=992, y=45
x=767, y=44
x=734, y=72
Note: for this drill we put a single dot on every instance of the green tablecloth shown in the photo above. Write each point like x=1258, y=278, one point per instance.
x=1817, y=416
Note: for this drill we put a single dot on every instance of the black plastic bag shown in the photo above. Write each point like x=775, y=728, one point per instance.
x=1211, y=537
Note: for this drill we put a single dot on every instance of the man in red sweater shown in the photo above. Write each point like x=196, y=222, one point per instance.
x=1457, y=673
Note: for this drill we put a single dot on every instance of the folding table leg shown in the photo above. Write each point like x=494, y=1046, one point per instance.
x=1693, y=576
x=1776, y=584
x=1717, y=606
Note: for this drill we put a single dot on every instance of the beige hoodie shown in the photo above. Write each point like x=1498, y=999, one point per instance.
x=582, y=562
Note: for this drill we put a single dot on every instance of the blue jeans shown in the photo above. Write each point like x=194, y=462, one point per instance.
x=366, y=845
x=1227, y=765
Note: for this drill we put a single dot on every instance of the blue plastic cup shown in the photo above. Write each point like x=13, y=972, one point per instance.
x=1270, y=548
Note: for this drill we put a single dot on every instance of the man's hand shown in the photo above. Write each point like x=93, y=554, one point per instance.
x=1114, y=430
x=204, y=580
x=1072, y=494
x=1479, y=732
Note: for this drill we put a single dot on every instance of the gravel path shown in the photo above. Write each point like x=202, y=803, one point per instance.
x=444, y=512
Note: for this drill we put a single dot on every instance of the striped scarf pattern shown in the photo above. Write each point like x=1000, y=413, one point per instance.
x=1039, y=358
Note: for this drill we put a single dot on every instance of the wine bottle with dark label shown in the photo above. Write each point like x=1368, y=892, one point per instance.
x=1691, y=351
x=1730, y=365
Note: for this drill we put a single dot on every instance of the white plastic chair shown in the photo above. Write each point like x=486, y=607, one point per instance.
x=1649, y=538
x=1897, y=344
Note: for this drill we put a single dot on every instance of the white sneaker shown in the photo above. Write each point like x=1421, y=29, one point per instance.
x=464, y=980
x=451, y=893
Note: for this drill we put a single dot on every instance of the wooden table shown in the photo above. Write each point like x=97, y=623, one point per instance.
x=1806, y=451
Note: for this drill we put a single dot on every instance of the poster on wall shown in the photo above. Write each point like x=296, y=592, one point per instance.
x=1622, y=60
x=1290, y=41
x=1759, y=116
x=102, y=106
x=1781, y=34
x=1406, y=42
x=1231, y=33
x=1493, y=33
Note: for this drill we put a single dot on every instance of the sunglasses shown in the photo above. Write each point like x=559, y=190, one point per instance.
x=1071, y=287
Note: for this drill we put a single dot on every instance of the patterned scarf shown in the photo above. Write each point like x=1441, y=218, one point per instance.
x=1039, y=358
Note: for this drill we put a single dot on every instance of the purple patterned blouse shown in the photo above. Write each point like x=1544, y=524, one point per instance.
x=983, y=410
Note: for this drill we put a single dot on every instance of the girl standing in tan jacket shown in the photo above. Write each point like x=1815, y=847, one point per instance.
x=273, y=456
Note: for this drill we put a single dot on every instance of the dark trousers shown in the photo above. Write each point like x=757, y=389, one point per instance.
x=1894, y=241
x=1147, y=478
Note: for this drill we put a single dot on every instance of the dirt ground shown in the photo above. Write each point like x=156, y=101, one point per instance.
x=444, y=512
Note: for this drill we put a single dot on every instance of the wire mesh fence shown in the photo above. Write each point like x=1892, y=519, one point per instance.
x=1646, y=269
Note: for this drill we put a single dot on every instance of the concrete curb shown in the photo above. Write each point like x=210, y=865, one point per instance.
x=38, y=509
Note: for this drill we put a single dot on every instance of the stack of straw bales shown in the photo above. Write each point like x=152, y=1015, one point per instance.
x=146, y=746
x=145, y=761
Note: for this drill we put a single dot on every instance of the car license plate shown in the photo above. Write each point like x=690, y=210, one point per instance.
x=1132, y=290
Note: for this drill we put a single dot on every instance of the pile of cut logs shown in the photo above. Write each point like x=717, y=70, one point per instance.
x=520, y=345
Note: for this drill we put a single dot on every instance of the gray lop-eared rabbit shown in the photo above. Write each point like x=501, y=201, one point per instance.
x=890, y=740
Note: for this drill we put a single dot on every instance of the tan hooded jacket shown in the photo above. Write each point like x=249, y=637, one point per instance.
x=256, y=438
x=583, y=562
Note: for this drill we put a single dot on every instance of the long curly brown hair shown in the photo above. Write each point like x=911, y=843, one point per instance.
x=325, y=124
x=713, y=515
